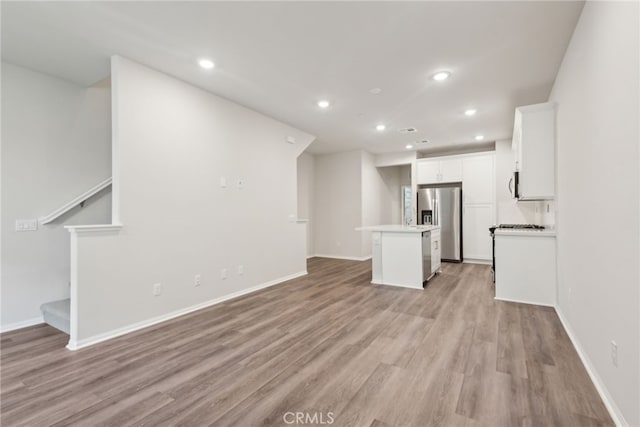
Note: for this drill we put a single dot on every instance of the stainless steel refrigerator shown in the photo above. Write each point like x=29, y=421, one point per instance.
x=442, y=206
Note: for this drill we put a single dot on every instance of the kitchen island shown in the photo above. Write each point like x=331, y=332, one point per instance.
x=404, y=255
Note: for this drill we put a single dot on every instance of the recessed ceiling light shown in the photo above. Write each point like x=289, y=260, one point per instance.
x=409, y=146
x=375, y=91
x=323, y=104
x=479, y=137
x=380, y=127
x=470, y=112
x=207, y=64
x=441, y=75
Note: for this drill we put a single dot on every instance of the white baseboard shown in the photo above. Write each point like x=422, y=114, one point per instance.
x=544, y=304
x=23, y=324
x=476, y=261
x=610, y=404
x=349, y=258
x=75, y=345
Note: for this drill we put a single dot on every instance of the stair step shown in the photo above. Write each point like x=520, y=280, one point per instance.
x=57, y=314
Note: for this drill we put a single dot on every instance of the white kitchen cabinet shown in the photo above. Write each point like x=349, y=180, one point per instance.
x=436, y=251
x=526, y=267
x=478, y=193
x=430, y=171
x=427, y=171
x=476, y=240
x=478, y=179
x=534, y=151
x=451, y=170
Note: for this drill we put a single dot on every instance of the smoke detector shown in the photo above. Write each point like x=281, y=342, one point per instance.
x=422, y=141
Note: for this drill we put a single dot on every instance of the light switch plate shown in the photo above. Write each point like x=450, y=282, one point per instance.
x=26, y=224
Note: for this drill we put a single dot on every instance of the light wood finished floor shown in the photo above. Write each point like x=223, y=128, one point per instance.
x=327, y=343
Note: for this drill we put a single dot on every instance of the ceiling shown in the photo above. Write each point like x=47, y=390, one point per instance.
x=280, y=58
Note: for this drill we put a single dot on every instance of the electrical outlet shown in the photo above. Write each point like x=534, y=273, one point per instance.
x=157, y=289
x=197, y=280
x=614, y=353
x=240, y=270
x=223, y=182
x=223, y=273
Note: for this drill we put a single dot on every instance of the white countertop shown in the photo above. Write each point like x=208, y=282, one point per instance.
x=525, y=232
x=398, y=228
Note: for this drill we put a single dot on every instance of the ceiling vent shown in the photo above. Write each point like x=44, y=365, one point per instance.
x=407, y=130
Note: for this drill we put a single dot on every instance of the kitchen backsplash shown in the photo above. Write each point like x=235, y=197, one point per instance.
x=512, y=212
x=548, y=214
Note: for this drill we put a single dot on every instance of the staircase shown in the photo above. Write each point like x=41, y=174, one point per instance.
x=56, y=314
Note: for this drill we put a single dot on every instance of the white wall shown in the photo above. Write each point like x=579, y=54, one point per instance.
x=306, y=196
x=404, y=179
x=377, y=203
x=392, y=194
x=508, y=210
x=172, y=145
x=56, y=144
x=393, y=178
x=382, y=195
x=338, y=204
x=401, y=158
x=352, y=192
x=597, y=90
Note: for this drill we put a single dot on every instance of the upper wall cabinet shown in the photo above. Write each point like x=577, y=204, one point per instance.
x=478, y=179
x=438, y=171
x=534, y=151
